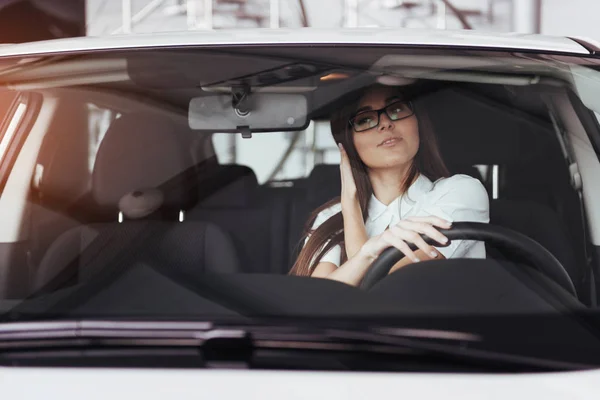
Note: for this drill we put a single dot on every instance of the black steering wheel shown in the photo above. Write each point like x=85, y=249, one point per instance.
x=524, y=246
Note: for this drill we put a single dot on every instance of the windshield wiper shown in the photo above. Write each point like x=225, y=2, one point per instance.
x=238, y=343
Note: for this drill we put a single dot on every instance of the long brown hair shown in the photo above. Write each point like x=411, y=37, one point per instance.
x=428, y=161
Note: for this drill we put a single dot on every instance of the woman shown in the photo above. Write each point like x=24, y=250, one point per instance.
x=395, y=187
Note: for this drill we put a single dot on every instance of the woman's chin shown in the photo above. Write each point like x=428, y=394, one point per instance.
x=388, y=165
x=386, y=161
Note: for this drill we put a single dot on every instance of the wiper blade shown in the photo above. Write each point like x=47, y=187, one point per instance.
x=457, y=350
x=237, y=342
x=110, y=329
x=456, y=347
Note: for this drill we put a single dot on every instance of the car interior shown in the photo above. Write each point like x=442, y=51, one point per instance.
x=217, y=218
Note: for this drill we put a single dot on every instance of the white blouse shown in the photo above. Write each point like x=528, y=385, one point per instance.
x=457, y=198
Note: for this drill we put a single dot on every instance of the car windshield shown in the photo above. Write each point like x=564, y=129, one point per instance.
x=209, y=184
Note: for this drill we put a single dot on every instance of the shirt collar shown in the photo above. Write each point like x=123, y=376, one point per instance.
x=403, y=203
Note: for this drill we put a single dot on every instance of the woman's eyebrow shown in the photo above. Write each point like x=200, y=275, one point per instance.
x=387, y=101
x=392, y=99
x=364, y=108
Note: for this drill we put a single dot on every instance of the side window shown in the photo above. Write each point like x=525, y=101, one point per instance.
x=99, y=120
x=6, y=100
x=10, y=117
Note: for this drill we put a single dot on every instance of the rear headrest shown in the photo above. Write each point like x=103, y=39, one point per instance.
x=228, y=186
x=323, y=183
x=139, y=151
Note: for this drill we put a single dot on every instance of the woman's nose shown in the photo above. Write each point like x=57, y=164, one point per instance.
x=385, y=123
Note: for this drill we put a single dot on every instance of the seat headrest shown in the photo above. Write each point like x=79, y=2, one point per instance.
x=228, y=186
x=139, y=151
x=323, y=183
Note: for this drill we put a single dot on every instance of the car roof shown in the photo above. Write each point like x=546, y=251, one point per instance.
x=302, y=36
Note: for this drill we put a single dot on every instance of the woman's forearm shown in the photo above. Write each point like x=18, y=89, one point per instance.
x=399, y=236
x=351, y=272
x=355, y=234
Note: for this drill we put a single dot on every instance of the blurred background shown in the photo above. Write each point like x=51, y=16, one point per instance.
x=28, y=20
x=31, y=20
x=59, y=18
x=552, y=17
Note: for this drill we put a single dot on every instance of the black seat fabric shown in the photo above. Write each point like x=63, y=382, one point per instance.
x=540, y=183
x=323, y=184
x=541, y=224
x=251, y=215
x=191, y=247
x=141, y=152
x=227, y=186
x=474, y=128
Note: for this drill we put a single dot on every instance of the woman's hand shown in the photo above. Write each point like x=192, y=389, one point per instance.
x=404, y=233
x=355, y=234
x=349, y=193
x=399, y=236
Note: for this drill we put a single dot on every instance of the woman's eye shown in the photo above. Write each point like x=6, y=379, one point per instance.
x=397, y=111
x=364, y=121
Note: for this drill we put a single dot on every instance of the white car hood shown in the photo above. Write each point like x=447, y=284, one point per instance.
x=38, y=383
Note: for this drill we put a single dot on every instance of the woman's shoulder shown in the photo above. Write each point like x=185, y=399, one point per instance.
x=459, y=180
x=461, y=187
x=327, y=213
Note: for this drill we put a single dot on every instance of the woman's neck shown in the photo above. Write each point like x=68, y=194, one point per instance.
x=388, y=183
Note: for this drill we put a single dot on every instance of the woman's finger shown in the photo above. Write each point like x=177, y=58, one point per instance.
x=432, y=220
x=416, y=239
x=343, y=153
x=391, y=239
x=346, y=176
x=345, y=161
x=424, y=228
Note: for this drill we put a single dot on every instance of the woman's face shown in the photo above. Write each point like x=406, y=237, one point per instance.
x=390, y=143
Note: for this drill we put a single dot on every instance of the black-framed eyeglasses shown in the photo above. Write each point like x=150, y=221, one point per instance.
x=365, y=120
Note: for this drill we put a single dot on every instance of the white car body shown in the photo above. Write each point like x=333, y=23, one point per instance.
x=107, y=383
x=407, y=37
x=70, y=384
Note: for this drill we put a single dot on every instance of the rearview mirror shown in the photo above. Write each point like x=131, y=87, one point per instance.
x=258, y=112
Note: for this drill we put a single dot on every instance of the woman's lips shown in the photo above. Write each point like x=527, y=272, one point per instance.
x=389, y=142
